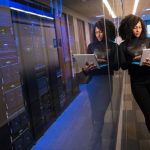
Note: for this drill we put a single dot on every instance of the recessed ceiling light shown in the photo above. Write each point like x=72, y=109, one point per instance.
x=99, y=16
x=109, y=8
x=146, y=9
x=136, y=2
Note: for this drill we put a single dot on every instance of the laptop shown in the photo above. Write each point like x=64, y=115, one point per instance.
x=82, y=59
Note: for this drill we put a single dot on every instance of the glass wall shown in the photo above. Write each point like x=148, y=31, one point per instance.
x=111, y=116
x=44, y=80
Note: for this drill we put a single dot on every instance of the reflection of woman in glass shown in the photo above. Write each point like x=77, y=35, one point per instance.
x=103, y=47
x=133, y=31
x=99, y=87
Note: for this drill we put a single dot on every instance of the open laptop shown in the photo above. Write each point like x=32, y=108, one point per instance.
x=81, y=59
x=145, y=54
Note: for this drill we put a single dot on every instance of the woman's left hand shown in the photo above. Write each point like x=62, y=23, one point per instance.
x=147, y=62
x=137, y=57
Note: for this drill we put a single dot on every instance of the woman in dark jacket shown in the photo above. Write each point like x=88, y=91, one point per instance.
x=104, y=47
x=100, y=86
x=133, y=32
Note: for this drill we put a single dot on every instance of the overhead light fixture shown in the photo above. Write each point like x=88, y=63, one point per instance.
x=109, y=8
x=147, y=9
x=136, y=2
x=31, y=13
x=99, y=16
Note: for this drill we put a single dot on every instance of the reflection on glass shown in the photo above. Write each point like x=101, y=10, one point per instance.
x=99, y=89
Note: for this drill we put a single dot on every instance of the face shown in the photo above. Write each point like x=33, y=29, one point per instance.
x=99, y=34
x=137, y=30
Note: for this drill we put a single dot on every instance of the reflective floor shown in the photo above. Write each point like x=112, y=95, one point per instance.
x=135, y=135
x=86, y=124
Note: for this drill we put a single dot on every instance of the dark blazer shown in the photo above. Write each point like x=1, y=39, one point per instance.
x=100, y=49
x=128, y=50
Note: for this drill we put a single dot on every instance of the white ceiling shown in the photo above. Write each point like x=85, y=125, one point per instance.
x=91, y=8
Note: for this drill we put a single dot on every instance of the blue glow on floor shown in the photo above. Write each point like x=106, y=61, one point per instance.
x=66, y=127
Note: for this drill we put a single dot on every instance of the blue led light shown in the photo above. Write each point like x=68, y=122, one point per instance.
x=136, y=63
x=30, y=10
x=103, y=65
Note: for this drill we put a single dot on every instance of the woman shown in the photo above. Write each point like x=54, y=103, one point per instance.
x=104, y=47
x=133, y=32
x=100, y=86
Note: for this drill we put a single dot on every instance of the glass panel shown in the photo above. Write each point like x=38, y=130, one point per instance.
x=92, y=119
x=136, y=129
x=115, y=76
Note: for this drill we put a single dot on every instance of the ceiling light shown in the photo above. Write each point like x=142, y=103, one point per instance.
x=99, y=16
x=136, y=2
x=109, y=8
x=147, y=9
x=32, y=13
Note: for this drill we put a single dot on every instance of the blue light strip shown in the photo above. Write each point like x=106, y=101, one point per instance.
x=56, y=8
x=60, y=8
x=30, y=10
x=136, y=63
x=103, y=65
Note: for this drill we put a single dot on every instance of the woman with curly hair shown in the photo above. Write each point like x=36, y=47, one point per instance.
x=133, y=32
x=104, y=47
x=99, y=87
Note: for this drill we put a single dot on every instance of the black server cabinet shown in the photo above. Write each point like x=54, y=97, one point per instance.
x=55, y=73
x=11, y=97
x=5, y=139
x=66, y=78
x=36, y=70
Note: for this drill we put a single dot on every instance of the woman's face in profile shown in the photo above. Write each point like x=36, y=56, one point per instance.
x=99, y=34
x=137, y=30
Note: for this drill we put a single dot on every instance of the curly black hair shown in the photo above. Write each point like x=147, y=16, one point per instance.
x=126, y=27
x=110, y=29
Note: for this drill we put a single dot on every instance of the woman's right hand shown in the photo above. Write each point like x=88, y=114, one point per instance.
x=89, y=67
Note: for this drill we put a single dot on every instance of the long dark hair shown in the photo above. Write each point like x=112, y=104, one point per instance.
x=127, y=25
x=110, y=29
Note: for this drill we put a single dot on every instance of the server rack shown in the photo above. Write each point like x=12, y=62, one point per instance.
x=35, y=70
x=14, y=123
x=34, y=89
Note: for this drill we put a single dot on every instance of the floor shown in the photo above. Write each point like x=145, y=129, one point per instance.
x=135, y=135
x=78, y=128
x=86, y=124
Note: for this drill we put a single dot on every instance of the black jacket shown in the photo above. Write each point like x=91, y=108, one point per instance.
x=128, y=50
x=99, y=49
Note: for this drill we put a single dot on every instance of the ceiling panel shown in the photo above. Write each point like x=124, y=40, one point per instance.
x=91, y=8
x=88, y=8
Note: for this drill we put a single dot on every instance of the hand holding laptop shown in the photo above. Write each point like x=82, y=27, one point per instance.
x=145, y=58
x=89, y=67
x=88, y=60
x=146, y=62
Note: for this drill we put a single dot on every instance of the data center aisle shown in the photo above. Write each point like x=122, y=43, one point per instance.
x=75, y=129
x=67, y=127
x=135, y=135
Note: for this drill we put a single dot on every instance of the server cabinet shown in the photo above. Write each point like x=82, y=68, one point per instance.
x=54, y=66
x=5, y=139
x=11, y=96
x=36, y=70
x=64, y=59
